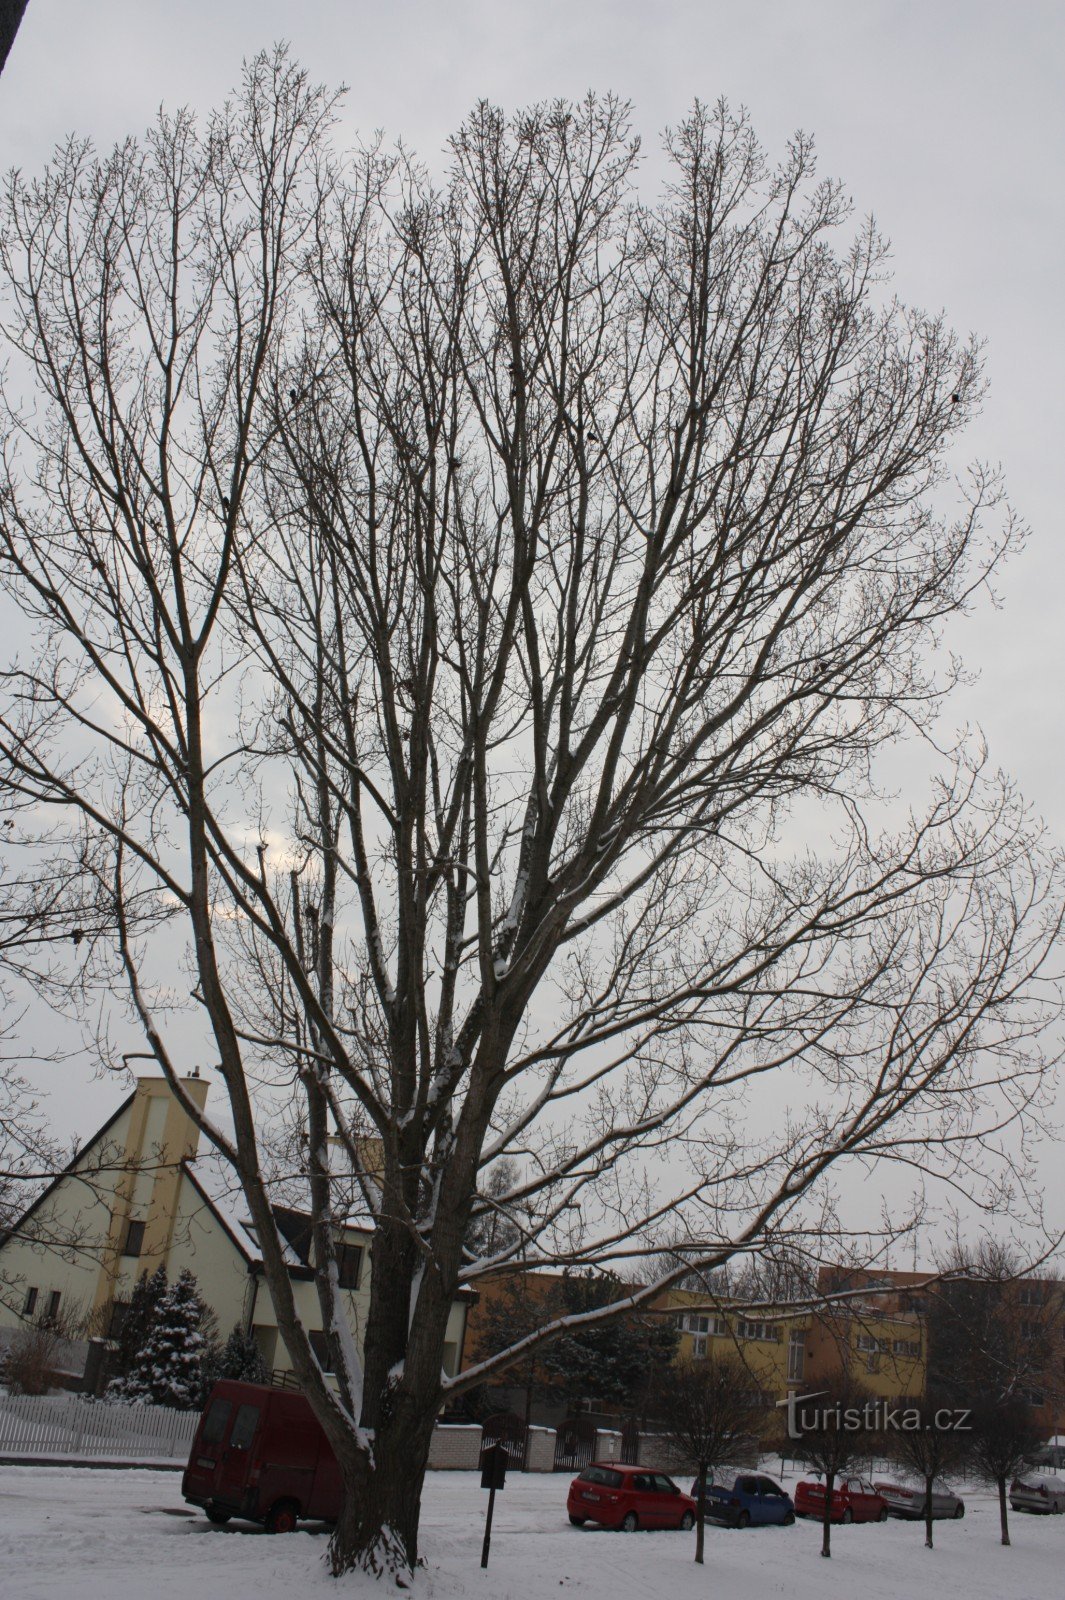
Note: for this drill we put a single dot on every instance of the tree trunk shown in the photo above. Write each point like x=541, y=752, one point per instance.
x=700, y=1514
x=928, y=1514
x=377, y=1529
x=826, y=1517
x=1002, y=1513
x=10, y=16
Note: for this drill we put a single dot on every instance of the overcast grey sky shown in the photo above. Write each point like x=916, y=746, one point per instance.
x=944, y=117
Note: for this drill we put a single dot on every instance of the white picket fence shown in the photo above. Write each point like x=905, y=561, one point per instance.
x=64, y=1426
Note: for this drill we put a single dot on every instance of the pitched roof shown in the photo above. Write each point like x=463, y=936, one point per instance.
x=69, y=1171
x=219, y=1187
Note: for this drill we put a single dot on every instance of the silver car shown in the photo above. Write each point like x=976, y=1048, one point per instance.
x=905, y=1500
x=1038, y=1491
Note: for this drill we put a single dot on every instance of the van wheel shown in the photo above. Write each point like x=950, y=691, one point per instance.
x=630, y=1522
x=282, y=1517
x=217, y=1516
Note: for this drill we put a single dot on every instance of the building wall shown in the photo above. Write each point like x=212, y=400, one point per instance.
x=804, y=1349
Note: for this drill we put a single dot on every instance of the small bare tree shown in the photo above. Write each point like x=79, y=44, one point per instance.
x=710, y=1411
x=930, y=1445
x=441, y=597
x=1004, y=1435
x=836, y=1429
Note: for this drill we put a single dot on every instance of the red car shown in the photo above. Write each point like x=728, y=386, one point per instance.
x=853, y=1500
x=628, y=1498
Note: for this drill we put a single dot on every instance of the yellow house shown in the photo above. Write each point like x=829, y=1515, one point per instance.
x=139, y=1194
x=791, y=1350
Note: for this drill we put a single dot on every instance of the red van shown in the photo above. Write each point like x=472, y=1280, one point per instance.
x=261, y=1453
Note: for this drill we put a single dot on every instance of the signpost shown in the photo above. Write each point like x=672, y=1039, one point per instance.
x=493, y=1477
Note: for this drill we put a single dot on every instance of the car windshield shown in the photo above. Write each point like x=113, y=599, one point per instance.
x=602, y=1475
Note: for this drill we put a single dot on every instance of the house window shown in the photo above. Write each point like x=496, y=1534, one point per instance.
x=31, y=1303
x=770, y=1332
x=702, y=1327
x=1032, y=1294
x=117, y=1320
x=52, y=1308
x=867, y=1343
x=907, y=1347
x=134, y=1239
x=796, y=1355
x=349, y=1265
x=320, y=1346
x=1030, y=1330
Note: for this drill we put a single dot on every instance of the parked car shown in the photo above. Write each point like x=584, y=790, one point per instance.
x=853, y=1500
x=1050, y=1456
x=618, y=1496
x=260, y=1453
x=749, y=1501
x=1038, y=1491
x=905, y=1500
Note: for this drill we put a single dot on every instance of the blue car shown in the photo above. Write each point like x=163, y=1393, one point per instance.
x=750, y=1501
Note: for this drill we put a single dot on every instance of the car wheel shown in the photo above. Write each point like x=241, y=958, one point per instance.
x=1055, y=1508
x=789, y=1519
x=282, y=1517
x=883, y=1514
x=217, y=1516
x=630, y=1522
x=578, y=1522
x=848, y=1515
x=687, y=1522
x=743, y=1520
x=959, y=1511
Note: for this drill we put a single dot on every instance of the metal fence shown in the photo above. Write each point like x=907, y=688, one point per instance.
x=65, y=1426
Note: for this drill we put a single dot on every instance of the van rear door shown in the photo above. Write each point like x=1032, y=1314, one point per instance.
x=231, y=1474
x=205, y=1458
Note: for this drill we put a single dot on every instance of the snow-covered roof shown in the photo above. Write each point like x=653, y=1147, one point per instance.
x=220, y=1187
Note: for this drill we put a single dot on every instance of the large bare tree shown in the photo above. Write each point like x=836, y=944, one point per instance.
x=442, y=598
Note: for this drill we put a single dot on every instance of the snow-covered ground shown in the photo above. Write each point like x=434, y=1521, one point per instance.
x=114, y=1535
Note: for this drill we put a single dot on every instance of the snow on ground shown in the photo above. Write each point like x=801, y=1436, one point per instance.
x=127, y=1535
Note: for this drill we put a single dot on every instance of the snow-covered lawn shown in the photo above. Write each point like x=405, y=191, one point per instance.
x=114, y=1535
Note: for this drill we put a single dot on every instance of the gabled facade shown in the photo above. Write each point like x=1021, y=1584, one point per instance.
x=140, y=1194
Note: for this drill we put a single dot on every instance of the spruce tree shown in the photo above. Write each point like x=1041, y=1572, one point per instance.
x=141, y=1314
x=241, y=1358
x=168, y=1372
